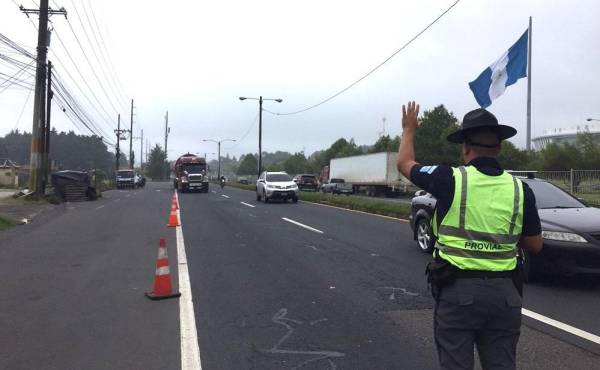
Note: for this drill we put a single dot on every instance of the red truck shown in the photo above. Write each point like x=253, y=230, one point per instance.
x=190, y=174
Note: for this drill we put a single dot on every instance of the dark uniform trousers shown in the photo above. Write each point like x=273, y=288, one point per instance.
x=485, y=312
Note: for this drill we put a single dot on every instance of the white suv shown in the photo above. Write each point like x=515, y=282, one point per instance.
x=276, y=185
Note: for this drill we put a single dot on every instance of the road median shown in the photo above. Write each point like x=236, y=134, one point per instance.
x=374, y=206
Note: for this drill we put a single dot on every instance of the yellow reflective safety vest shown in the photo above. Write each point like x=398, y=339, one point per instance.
x=484, y=222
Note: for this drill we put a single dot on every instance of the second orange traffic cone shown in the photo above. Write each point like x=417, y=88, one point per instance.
x=173, y=219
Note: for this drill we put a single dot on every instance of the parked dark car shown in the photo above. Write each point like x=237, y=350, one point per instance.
x=570, y=228
x=306, y=182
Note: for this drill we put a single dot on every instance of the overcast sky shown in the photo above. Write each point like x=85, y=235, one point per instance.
x=195, y=58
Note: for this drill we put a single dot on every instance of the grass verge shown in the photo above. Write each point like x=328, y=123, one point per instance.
x=398, y=210
x=6, y=222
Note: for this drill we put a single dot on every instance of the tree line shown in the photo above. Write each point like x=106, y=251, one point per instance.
x=67, y=149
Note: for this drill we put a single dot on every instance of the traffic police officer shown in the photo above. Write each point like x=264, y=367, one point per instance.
x=483, y=216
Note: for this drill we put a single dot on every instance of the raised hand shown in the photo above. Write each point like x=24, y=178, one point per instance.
x=409, y=116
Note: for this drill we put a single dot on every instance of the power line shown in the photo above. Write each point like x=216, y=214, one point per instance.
x=103, y=44
x=85, y=81
x=22, y=110
x=245, y=135
x=92, y=67
x=340, y=92
x=96, y=56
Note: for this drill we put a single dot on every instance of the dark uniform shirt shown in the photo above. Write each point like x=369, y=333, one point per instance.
x=439, y=181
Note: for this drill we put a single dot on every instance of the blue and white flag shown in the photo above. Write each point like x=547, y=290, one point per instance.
x=504, y=72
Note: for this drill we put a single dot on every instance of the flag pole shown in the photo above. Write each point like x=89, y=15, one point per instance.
x=528, y=143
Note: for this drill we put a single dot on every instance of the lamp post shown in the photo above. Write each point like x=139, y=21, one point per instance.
x=593, y=119
x=260, y=102
x=219, y=154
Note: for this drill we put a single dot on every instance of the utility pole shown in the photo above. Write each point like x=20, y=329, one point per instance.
x=36, y=162
x=49, y=97
x=119, y=134
x=167, y=130
x=131, y=138
x=260, y=103
x=142, y=153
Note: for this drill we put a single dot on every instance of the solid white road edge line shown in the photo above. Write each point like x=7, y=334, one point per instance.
x=190, y=351
x=246, y=204
x=562, y=326
x=302, y=225
x=225, y=196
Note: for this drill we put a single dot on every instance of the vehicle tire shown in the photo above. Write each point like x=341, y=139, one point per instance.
x=425, y=238
x=323, y=190
x=265, y=197
x=347, y=194
x=258, y=197
x=295, y=200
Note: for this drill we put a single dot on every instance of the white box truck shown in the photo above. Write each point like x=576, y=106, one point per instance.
x=376, y=173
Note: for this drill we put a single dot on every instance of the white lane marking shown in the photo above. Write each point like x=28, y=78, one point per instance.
x=99, y=207
x=116, y=200
x=246, y=204
x=302, y=225
x=562, y=326
x=225, y=196
x=190, y=351
x=214, y=192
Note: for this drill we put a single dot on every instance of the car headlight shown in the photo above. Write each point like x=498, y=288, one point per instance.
x=270, y=187
x=563, y=237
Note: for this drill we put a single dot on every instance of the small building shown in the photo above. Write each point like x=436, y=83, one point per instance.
x=8, y=174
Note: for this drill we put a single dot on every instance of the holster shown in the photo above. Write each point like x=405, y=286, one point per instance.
x=518, y=275
x=439, y=274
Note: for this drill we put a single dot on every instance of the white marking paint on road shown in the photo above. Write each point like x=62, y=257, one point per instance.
x=225, y=196
x=157, y=190
x=246, y=204
x=214, y=192
x=190, y=351
x=562, y=326
x=116, y=200
x=281, y=318
x=302, y=225
x=100, y=207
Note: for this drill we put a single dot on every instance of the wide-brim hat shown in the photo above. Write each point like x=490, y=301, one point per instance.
x=478, y=119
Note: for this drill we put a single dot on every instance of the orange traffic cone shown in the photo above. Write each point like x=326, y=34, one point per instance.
x=175, y=202
x=173, y=219
x=162, y=278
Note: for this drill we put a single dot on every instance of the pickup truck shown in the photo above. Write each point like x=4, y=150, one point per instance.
x=337, y=186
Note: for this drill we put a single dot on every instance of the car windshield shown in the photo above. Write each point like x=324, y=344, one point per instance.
x=125, y=173
x=337, y=181
x=278, y=177
x=307, y=177
x=193, y=168
x=550, y=196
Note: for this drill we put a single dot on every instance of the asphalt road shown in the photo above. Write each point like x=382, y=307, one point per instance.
x=270, y=294
x=274, y=286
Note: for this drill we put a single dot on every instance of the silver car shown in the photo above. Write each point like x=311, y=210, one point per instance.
x=276, y=185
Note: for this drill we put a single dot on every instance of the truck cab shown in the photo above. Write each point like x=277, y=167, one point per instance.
x=190, y=174
x=125, y=179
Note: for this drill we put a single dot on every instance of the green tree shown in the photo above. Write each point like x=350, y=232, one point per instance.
x=513, y=158
x=248, y=165
x=589, y=148
x=431, y=146
x=156, y=163
x=385, y=144
x=295, y=164
x=559, y=157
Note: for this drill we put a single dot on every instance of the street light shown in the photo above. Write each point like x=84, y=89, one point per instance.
x=219, y=155
x=592, y=119
x=260, y=101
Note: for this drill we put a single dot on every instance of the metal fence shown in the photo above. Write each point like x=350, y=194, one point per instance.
x=584, y=184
